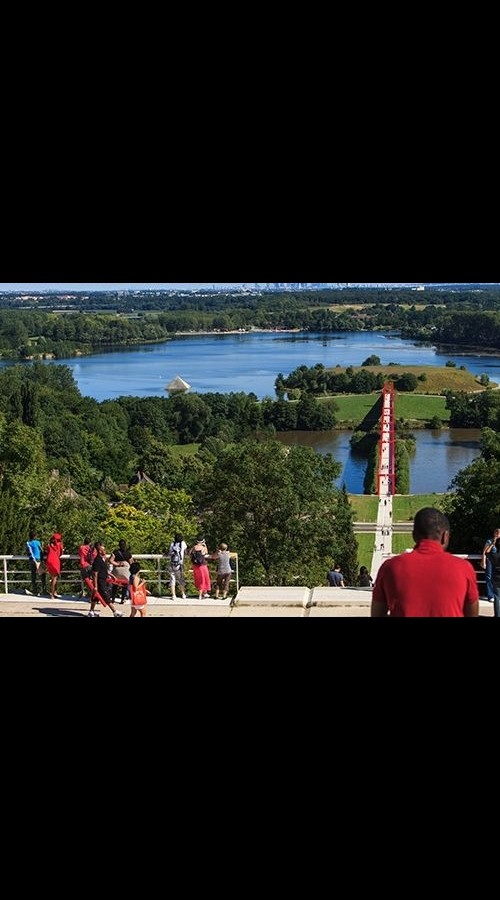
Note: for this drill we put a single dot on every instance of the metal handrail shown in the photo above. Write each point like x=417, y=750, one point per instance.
x=22, y=577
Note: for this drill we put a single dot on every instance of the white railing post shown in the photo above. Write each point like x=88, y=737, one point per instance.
x=5, y=575
x=159, y=559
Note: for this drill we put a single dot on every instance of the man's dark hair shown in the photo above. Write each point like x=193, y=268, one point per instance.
x=430, y=524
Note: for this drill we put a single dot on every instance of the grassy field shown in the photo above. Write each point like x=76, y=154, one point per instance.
x=438, y=379
x=366, y=543
x=365, y=508
x=185, y=449
x=406, y=507
x=402, y=542
x=354, y=407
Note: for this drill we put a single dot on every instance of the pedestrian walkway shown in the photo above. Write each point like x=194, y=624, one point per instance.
x=250, y=603
x=386, y=481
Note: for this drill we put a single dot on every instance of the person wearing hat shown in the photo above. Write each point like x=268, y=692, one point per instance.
x=53, y=563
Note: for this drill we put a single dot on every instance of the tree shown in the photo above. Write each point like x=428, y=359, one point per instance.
x=160, y=463
x=30, y=404
x=191, y=417
x=148, y=519
x=279, y=509
x=23, y=462
x=407, y=382
x=474, y=508
x=372, y=361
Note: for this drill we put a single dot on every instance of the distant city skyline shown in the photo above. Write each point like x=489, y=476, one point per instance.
x=108, y=285
x=34, y=286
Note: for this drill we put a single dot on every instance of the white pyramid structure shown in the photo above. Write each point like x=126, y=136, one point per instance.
x=178, y=386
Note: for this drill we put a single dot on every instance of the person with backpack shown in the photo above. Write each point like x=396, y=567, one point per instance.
x=199, y=555
x=176, y=555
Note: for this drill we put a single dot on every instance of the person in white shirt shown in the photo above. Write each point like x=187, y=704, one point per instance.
x=176, y=556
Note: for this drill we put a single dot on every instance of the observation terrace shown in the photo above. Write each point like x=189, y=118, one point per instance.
x=249, y=602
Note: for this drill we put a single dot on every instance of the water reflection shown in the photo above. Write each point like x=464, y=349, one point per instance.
x=439, y=456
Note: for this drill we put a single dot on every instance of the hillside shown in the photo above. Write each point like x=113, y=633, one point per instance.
x=438, y=379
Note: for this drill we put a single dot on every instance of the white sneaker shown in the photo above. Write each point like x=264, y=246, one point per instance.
x=28, y=593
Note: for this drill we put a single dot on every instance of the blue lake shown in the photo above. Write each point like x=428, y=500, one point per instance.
x=250, y=362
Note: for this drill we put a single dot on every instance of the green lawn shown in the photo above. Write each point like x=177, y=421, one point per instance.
x=415, y=406
x=185, y=449
x=402, y=542
x=366, y=543
x=365, y=507
x=406, y=507
x=352, y=408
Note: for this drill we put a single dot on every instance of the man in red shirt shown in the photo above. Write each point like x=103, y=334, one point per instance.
x=427, y=583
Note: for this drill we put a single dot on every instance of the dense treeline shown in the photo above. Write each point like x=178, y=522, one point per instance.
x=64, y=458
x=472, y=328
x=317, y=381
x=474, y=505
x=127, y=302
x=463, y=319
x=474, y=410
x=90, y=441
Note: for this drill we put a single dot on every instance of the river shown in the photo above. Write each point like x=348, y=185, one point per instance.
x=438, y=458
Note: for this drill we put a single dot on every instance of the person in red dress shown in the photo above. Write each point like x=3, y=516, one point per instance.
x=53, y=563
x=428, y=582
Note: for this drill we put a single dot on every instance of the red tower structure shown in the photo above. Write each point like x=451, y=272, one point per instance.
x=386, y=479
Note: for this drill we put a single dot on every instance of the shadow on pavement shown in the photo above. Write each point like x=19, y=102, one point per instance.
x=61, y=613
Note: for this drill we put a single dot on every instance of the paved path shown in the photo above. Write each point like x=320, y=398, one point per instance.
x=253, y=603
x=383, y=534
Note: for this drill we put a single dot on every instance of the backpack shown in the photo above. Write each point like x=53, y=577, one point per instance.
x=175, y=557
x=198, y=558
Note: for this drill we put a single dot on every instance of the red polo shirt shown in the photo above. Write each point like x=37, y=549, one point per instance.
x=427, y=583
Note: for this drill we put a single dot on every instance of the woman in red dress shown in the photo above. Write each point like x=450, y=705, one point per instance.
x=53, y=563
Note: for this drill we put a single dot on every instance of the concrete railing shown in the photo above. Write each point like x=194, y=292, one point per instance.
x=15, y=573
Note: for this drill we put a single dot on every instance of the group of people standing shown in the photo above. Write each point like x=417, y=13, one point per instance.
x=106, y=578
x=200, y=557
